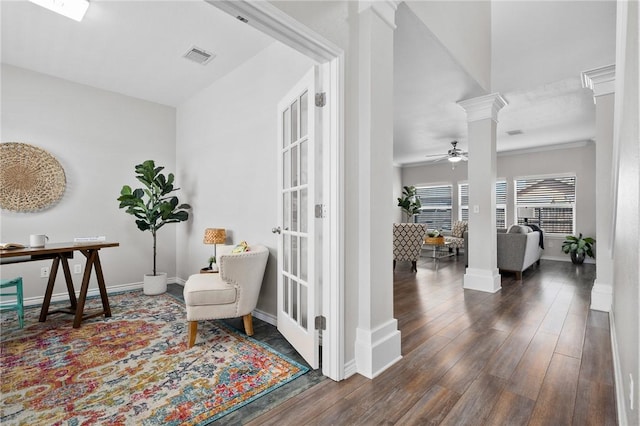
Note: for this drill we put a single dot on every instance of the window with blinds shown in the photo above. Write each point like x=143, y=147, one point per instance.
x=553, y=200
x=501, y=202
x=436, y=206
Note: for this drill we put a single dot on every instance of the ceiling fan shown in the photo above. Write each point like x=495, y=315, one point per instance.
x=454, y=155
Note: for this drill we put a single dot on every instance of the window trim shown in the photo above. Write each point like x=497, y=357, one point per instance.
x=549, y=205
x=504, y=205
x=437, y=207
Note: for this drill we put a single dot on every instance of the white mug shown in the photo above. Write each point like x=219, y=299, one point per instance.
x=37, y=240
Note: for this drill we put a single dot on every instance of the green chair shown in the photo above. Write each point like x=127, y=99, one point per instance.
x=12, y=305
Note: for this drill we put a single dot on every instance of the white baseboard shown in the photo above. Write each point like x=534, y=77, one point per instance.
x=601, y=297
x=566, y=259
x=482, y=280
x=377, y=349
x=621, y=402
x=266, y=317
x=61, y=297
x=350, y=368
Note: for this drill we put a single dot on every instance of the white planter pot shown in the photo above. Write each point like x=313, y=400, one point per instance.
x=155, y=284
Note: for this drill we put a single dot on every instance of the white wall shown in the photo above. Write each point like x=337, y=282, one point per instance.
x=227, y=159
x=98, y=137
x=578, y=160
x=464, y=28
x=397, y=193
x=626, y=289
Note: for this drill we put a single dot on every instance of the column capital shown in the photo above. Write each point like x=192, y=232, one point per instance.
x=386, y=10
x=483, y=107
x=600, y=80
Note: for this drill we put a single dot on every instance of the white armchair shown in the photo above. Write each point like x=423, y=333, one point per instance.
x=231, y=293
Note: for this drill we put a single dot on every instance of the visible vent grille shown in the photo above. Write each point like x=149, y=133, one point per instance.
x=514, y=132
x=198, y=55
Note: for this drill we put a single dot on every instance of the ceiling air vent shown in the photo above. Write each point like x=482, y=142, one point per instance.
x=514, y=132
x=198, y=55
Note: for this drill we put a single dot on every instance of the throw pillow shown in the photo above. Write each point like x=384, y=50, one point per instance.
x=241, y=248
x=518, y=229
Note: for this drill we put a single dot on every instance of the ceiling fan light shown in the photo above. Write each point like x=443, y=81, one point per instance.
x=455, y=159
x=74, y=9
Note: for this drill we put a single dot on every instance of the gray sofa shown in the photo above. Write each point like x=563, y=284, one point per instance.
x=517, y=250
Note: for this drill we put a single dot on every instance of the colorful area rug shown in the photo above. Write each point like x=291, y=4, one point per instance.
x=132, y=368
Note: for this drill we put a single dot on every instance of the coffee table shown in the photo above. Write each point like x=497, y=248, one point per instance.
x=437, y=251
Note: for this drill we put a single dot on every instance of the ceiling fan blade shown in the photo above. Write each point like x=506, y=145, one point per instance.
x=436, y=155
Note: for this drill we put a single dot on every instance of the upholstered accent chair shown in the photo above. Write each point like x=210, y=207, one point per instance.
x=456, y=237
x=407, y=242
x=231, y=293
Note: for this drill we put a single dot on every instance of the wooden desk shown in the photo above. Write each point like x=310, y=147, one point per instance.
x=60, y=253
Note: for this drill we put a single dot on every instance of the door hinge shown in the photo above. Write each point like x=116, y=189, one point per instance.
x=321, y=99
x=321, y=323
x=320, y=211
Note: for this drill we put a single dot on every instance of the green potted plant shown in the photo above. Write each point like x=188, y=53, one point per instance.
x=578, y=247
x=409, y=202
x=153, y=207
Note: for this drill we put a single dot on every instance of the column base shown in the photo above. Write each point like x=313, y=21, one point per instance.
x=487, y=280
x=601, y=296
x=376, y=350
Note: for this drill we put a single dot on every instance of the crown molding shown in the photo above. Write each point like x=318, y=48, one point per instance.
x=483, y=107
x=386, y=10
x=600, y=80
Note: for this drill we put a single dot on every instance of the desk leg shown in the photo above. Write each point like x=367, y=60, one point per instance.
x=49, y=292
x=69, y=281
x=102, y=287
x=84, y=288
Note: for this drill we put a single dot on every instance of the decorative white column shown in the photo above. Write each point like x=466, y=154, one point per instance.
x=377, y=336
x=602, y=82
x=482, y=118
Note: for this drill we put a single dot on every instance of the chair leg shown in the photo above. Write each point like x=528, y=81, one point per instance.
x=248, y=324
x=193, y=331
x=414, y=266
x=394, y=264
x=20, y=302
x=519, y=275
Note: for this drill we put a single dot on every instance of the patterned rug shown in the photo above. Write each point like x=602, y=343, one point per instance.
x=132, y=368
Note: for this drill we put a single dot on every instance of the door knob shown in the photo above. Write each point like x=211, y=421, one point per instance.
x=276, y=230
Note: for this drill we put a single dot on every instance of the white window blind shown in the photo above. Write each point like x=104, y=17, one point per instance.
x=553, y=200
x=436, y=206
x=501, y=202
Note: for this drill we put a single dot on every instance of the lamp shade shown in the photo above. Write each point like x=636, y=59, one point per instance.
x=526, y=212
x=215, y=236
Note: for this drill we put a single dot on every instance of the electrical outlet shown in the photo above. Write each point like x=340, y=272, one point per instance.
x=77, y=269
x=44, y=272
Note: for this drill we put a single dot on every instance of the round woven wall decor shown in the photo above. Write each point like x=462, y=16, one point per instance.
x=31, y=179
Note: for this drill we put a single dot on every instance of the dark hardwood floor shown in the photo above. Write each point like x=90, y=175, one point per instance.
x=531, y=354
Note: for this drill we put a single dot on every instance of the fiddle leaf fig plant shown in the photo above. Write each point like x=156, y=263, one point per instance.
x=409, y=202
x=153, y=206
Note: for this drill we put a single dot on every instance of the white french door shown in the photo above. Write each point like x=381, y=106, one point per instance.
x=298, y=284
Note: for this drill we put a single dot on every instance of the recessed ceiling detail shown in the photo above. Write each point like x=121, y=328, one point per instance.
x=199, y=56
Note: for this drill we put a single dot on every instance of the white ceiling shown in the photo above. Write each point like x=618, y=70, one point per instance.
x=136, y=47
x=539, y=49
x=129, y=47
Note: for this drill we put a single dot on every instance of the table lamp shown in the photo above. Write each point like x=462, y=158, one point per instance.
x=526, y=213
x=214, y=236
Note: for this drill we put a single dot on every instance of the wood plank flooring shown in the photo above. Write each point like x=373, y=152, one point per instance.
x=531, y=354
